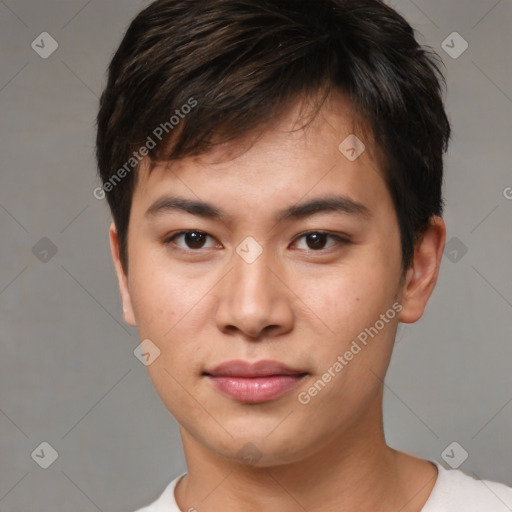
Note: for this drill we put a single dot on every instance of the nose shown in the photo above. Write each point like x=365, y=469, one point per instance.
x=254, y=301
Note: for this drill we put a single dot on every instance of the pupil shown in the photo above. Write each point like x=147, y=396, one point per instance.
x=194, y=240
x=316, y=240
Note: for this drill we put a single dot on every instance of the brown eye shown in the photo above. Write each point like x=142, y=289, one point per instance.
x=319, y=240
x=192, y=240
x=316, y=240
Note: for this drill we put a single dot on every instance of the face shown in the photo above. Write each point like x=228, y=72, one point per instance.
x=281, y=251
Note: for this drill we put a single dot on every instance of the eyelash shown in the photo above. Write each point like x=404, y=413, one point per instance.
x=340, y=239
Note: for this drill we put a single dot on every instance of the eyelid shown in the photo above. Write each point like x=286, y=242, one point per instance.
x=335, y=234
x=169, y=239
x=340, y=238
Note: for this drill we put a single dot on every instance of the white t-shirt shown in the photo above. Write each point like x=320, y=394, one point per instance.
x=454, y=491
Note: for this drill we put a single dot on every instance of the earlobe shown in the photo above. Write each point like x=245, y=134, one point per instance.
x=122, y=278
x=421, y=277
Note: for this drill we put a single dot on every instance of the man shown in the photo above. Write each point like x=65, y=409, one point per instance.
x=274, y=172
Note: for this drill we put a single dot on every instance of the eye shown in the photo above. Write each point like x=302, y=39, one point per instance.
x=318, y=240
x=192, y=240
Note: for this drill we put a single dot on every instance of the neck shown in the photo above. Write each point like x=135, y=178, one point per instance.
x=355, y=470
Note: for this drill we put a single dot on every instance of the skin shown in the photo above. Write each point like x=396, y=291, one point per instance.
x=295, y=304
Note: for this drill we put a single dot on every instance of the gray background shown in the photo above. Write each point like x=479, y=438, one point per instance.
x=68, y=375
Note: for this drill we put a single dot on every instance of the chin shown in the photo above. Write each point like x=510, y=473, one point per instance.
x=261, y=450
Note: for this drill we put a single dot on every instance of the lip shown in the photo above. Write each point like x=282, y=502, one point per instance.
x=263, y=368
x=256, y=382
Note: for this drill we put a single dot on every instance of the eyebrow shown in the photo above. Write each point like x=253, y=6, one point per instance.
x=192, y=206
x=336, y=204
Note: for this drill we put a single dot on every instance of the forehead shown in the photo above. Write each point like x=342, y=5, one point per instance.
x=298, y=154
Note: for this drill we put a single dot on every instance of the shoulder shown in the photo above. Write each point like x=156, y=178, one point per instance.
x=456, y=491
x=166, y=502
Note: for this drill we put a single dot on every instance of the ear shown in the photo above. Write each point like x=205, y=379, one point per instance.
x=421, y=277
x=122, y=278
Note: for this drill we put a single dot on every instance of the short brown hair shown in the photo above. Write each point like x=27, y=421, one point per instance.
x=243, y=61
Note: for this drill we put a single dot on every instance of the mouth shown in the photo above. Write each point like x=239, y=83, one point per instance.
x=254, y=382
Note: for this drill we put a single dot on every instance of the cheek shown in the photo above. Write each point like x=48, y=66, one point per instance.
x=162, y=296
x=170, y=311
x=352, y=295
x=171, y=308
x=152, y=298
